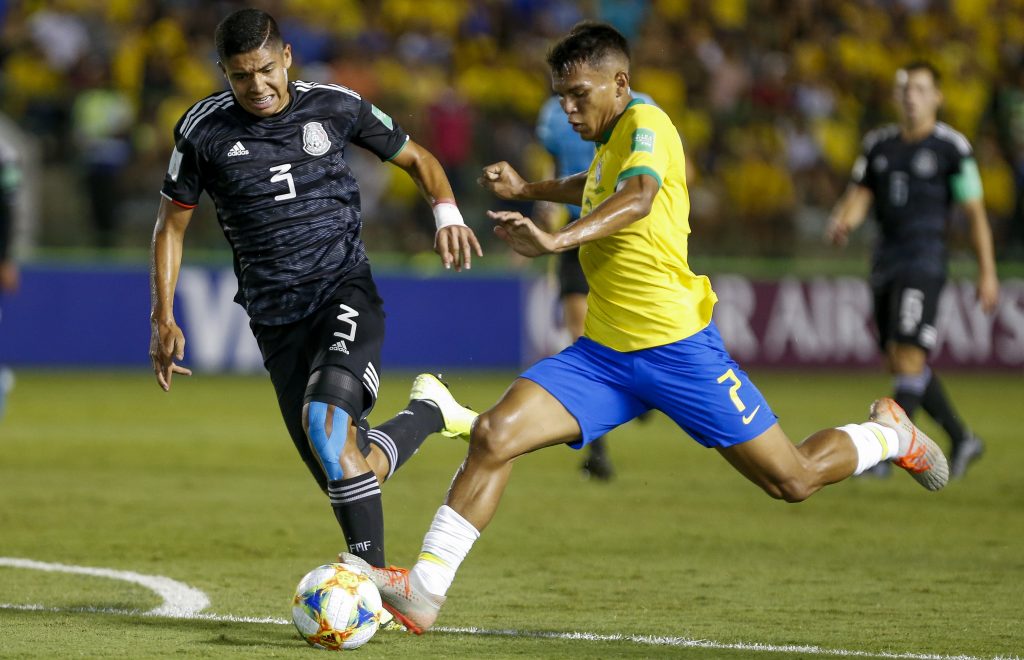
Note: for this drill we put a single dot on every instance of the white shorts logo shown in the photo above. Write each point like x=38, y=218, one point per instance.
x=911, y=310
x=314, y=139
x=347, y=315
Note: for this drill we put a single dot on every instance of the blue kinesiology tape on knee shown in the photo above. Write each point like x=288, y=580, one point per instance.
x=328, y=447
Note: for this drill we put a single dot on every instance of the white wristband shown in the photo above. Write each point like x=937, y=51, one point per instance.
x=446, y=214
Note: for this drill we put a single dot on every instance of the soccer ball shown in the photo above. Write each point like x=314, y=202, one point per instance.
x=336, y=607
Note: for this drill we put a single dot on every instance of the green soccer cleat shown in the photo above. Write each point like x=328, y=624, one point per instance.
x=402, y=594
x=389, y=622
x=918, y=454
x=458, y=419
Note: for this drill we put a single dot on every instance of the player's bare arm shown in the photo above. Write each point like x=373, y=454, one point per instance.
x=631, y=203
x=981, y=240
x=166, y=342
x=849, y=213
x=503, y=180
x=455, y=243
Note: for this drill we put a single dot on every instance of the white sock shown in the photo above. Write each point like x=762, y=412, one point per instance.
x=446, y=544
x=875, y=443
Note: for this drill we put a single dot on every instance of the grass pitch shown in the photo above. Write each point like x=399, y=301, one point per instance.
x=202, y=485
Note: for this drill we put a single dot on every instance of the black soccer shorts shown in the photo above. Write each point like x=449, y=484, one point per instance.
x=570, y=274
x=905, y=310
x=347, y=332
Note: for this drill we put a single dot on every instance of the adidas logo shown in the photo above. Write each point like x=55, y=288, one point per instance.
x=341, y=346
x=238, y=150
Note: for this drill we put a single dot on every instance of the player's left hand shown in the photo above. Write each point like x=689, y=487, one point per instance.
x=988, y=292
x=521, y=234
x=456, y=245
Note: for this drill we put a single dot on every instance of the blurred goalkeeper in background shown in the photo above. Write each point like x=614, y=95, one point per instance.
x=270, y=154
x=912, y=174
x=649, y=341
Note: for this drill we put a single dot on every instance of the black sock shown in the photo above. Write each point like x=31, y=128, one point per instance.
x=937, y=404
x=401, y=436
x=909, y=388
x=599, y=448
x=358, y=508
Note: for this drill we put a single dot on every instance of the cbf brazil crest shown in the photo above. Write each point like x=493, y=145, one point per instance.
x=314, y=139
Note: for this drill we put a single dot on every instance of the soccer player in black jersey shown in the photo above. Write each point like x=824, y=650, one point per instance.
x=912, y=174
x=271, y=155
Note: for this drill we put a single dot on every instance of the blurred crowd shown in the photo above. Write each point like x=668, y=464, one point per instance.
x=771, y=97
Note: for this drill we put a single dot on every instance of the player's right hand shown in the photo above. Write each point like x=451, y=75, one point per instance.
x=166, y=343
x=502, y=180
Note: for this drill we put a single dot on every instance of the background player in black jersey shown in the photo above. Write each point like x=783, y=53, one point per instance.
x=270, y=154
x=912, y=174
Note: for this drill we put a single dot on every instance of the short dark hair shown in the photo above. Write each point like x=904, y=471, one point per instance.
x=589, y=42
x=923, y=65
x=244, y=31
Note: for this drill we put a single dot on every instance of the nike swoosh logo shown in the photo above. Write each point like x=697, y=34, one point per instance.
x=748, y=418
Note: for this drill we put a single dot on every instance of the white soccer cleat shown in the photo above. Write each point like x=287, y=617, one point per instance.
x=458, y=419
x=918, y=454
x=402, y=594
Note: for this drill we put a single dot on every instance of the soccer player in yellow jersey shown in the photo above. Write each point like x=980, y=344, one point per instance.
x=649, y=340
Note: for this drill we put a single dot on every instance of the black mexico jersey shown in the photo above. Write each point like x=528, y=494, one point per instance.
x=913, y=194
x=285, y=197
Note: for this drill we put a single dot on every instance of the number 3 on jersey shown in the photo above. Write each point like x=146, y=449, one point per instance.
x=731, y=377
x=283, y=175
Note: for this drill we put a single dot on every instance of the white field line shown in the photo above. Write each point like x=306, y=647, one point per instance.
x=184, y=602
x=195, y=616
x=643, y=640
x=178, y=598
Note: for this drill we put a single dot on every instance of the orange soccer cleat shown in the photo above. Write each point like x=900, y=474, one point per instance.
x=918, y=454
x=402, y=594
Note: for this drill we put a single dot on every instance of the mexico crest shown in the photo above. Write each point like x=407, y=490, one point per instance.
x=314, y=139
x=925, y=164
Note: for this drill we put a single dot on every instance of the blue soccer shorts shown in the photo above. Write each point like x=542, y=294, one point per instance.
x=693, y=381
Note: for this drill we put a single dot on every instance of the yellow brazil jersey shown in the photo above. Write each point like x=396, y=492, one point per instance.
x=642, y=292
